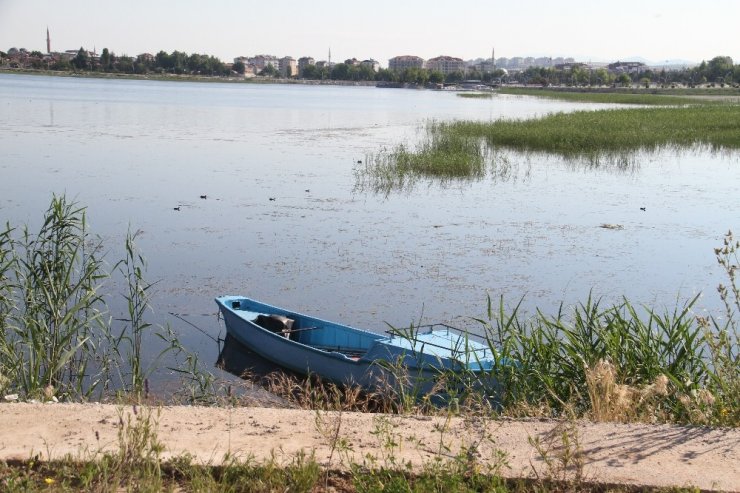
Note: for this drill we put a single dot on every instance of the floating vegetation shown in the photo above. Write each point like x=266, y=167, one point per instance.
x=469, y=150
x=475, y=95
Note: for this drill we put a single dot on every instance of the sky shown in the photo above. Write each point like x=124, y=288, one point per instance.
x=587, y=30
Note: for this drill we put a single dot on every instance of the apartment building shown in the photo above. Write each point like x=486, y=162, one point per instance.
x=446, y=64
x=400, y=63
x=287, y=66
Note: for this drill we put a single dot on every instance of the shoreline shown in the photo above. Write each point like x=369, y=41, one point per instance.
x=625, y=454
x=186, y=78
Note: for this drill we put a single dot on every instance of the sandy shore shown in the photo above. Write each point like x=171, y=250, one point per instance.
x=613, y=453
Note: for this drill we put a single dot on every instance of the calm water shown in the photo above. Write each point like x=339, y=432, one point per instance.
x=133, y=150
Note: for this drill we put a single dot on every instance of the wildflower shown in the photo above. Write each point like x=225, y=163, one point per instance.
x=50, y=480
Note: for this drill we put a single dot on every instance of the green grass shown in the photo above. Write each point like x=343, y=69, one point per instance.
x=475, y=95
x=611, y=96
x=466, y=150
x=591, y=133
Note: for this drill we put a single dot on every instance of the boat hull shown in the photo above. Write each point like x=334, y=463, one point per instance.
x=339, y=353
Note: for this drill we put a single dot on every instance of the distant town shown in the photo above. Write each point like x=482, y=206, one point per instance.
x=402, y=70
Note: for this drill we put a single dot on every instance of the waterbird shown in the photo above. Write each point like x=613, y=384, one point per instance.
x=272, y=199
x=176, y=208
x=204, y=196
x=359, y=161
x=642, y=208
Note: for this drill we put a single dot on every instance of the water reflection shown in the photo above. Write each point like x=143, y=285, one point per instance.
x=242, y=362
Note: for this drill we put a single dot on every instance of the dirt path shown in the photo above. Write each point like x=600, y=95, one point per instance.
x=627, y=454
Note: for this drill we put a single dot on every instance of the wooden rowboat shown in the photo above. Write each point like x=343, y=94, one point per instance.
x=347, y=355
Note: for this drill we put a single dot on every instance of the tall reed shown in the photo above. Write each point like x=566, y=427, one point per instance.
x=57, y=338
x=469, y=150
x=54, y=324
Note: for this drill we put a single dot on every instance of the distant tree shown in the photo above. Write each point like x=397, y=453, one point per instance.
x=269, y=71
x=125, y=64
x=624, y=80
x=162, y=60
x=386, y=75
x=288, y=72
x=239, y=67
x=718, y=68
x=603, y=77
x=61, y=64
x=455, y=76
x=414, y=75
x=474, y=74
x=340, y=71
x=105, y=59
x=36, y=54
x=436, y=77
x=80, y=61
x=311, y=72
x=143, y=64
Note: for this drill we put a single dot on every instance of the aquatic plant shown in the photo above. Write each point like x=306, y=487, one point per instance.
x=53, y=315
x=661, y=98
x=475, y=95
x=470, y=150
x=57, y=339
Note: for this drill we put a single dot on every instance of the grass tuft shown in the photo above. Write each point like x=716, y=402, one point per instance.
x=469, y=150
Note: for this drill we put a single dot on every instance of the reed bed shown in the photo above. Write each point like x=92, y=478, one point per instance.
x=57, y=338
x=469, y=150
x=475, y=95
x=612, y=97
x=592, y=133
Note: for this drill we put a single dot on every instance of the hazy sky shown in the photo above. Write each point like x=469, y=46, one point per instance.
x=584, y=29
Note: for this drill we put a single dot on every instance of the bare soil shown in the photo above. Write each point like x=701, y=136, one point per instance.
x=629, y=454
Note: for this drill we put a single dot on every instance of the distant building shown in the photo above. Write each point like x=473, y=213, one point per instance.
x=446, y=64
x=324, y=64
x=627, y=67
x=304, y=62
x=373, y=64
x=400, y=63
x=516, y=62
x=569, y=67
x=484, y=66
x=261, y=62
x=288, y=67
x=352, y=62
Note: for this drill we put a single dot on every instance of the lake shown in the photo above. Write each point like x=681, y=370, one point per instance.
x=285, y=222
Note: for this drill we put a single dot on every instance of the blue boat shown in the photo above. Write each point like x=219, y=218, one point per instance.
x=347, y=355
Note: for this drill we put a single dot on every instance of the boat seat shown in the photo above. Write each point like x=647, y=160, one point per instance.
x=278, y=324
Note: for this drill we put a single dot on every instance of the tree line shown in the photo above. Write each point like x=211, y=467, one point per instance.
x=719, y=70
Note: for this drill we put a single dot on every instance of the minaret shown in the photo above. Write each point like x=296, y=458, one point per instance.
x=330, y=57
x=48, y=41
x=493, y=58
